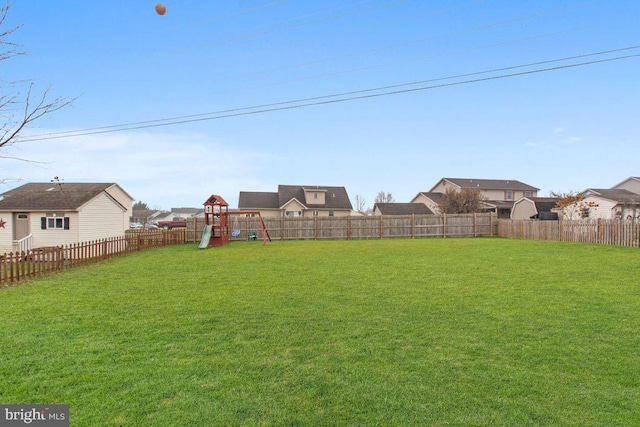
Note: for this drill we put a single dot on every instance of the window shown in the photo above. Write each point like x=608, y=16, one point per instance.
x=54, y=222
x=508, y=195
x=330, y=213
x=527, y=194
x=315, y=213
x=315, y=195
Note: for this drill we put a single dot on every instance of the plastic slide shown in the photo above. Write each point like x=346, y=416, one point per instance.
x=206, y=235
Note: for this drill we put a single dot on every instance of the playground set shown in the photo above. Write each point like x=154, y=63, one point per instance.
x=216, y=228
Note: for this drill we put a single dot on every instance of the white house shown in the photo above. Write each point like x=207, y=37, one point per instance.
x=632, y=184
x=607, y=203
x=50, y=214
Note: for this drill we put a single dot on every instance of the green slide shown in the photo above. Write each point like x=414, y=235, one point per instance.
x=206, y=235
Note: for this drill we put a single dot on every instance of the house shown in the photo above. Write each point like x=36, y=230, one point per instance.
x=401, y=209
x=499, y=193
x=607, y=203
x=632, y=184
x=181, y=212
x=430, y=199
x=51, y=214
x=298, y=200
x=146, y=216
x=543, y=208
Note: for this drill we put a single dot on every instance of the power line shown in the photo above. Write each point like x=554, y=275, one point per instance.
x=343, y=97
x=494, y=70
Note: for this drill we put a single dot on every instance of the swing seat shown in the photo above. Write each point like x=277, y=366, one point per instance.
x=235, y=233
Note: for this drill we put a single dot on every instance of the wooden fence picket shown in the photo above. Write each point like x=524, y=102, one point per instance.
x=18, y=267
x=613, y=232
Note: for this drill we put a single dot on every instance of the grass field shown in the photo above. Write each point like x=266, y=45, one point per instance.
x=432, y=332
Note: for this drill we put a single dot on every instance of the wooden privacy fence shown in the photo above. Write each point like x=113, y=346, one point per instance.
x=356, y=227
x=606, y=232
x=20, y=266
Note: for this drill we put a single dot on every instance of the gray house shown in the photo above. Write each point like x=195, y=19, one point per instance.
x=298, y=200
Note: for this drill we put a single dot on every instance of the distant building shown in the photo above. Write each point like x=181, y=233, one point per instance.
x=298, y=201
x=499, y=193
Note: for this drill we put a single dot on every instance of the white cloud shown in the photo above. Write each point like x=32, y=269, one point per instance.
x=164, y=170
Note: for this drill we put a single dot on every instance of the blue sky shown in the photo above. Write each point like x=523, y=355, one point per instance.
x=192, y=86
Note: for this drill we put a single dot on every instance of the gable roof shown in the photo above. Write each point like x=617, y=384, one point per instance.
x=631, y=178
x=432, y=195
x=335, y=197
x=52, y=196
x=489, y=184
x=258, y=200
x=615, y=194
x=403, y=209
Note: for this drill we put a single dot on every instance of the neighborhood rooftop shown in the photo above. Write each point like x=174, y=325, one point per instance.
x=490, y=184
x=35, y=196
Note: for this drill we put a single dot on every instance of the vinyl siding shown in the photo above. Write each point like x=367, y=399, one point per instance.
x=632, y=185
x=6, y=233
x=55, y=237
x=497, y=194
x=125, y=200
x=101, y=218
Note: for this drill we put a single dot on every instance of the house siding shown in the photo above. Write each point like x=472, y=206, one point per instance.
x=604, y=210
x=102, y=218
x=266, y=213
x=490, y=194
x=125, y=200
x=55, y=237
x=6, y=233
x=630, y=184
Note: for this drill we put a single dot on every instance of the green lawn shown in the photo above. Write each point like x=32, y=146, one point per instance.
x=381, y=332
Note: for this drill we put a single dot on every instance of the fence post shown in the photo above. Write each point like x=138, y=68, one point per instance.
x=315, y=228
x=444, y=225
x=413, y=226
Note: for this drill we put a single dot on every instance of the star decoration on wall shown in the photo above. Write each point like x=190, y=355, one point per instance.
x=2, y=222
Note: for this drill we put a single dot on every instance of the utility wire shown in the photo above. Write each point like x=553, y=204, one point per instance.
x=343, y=97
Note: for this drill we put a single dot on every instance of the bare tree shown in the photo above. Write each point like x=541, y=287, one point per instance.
x=383, y=197
x=361, y=203
x=465, y=200
x=20, y=106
